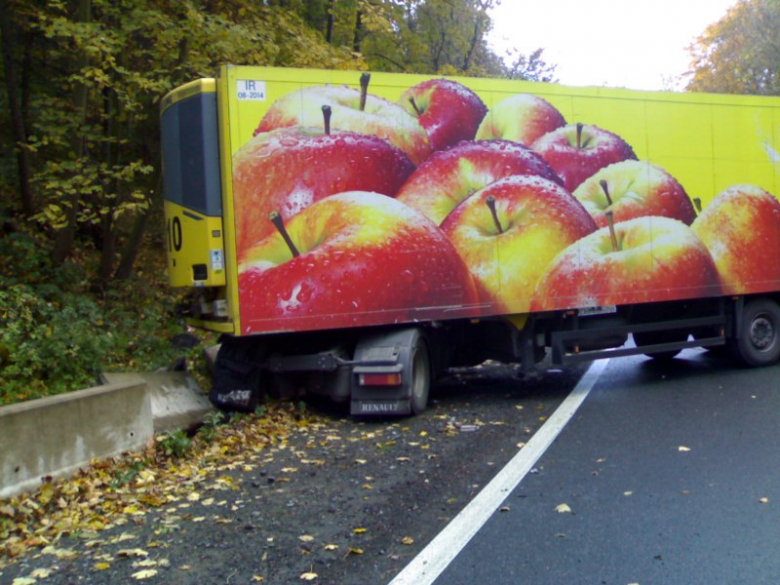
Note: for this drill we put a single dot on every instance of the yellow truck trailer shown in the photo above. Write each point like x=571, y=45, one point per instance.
x=357, y=235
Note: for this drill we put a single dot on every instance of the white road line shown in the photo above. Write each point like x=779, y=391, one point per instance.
x=440, y=552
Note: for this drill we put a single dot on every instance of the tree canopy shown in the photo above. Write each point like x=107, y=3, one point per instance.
x=740, y=53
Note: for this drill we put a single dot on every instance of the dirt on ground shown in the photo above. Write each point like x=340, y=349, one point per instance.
x=336, y=501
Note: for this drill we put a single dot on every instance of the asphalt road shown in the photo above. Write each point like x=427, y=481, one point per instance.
x=669, y=474
x=666, y=474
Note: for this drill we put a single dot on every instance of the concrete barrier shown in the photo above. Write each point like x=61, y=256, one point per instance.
x=177, y=400
x=57, y=435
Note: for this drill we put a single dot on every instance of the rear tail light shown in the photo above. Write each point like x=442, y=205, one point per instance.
x=393, y=379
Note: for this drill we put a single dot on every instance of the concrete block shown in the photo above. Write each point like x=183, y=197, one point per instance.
x=177, y=400
x=57, y=435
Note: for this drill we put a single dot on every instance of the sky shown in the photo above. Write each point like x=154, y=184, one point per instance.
x=637, y=44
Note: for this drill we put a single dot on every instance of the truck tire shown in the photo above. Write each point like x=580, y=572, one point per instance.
x=420, y=378
x=645, y=338
x=758, y=339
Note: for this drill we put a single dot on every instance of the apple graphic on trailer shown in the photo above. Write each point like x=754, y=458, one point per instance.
x=448, y=110
x=645, y=259
x=353, y=110
x=448, y=177
x=509, y=232
x=522, y=118
x=741, y=229
x=577, y=151
x=352, y=259
x=632, y=189
x=290, y=168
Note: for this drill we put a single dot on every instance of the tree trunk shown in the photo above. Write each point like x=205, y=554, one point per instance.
x=16, y=110
x=63, y=243
x=356, y=37
x=133, y=243
x=329, y=25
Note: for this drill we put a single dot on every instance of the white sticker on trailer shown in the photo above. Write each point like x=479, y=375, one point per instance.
x=250, y=89
x=217, y=260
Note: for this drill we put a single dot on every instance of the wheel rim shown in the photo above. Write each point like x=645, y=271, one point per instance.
x=762, y=333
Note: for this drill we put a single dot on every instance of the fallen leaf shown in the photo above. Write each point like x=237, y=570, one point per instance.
x=132, y=552
x=306, y=538
x=504, y=509
x=407, y=540
x=359, y=530
x=24, y=581
x=145, y=574
x=331, y=547
x=122, y=537
x=628, y=493
x=562, y=508
x=60, y=553
x=40, y=573
x=354, y=551
x=257, y=578
x=683, y=449
x=764, y=500
x=309, y=576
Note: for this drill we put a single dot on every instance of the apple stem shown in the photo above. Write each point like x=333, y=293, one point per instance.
x=612, y=235
x=364, y=79
x=579, y=134
x=490, y=201
x=697, y=204
x=276, y=219
x=605, y=188
x=326, y=113
x=414, y=105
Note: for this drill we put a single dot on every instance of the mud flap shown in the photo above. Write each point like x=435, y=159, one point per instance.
x=386, y=353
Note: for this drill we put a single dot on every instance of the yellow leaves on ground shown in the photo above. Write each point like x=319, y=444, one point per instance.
x=563, y=509
x=144, y=574
x=359, y=530
x=306, y=538
x=407, y=540
x=309, y=576
x=103, y=495
x=683, y=449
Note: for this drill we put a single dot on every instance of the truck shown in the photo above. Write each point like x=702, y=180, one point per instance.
x=359, y=235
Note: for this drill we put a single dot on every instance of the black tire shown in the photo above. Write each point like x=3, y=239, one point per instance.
x=758, y=339
x=420, y=379
x=645, y=338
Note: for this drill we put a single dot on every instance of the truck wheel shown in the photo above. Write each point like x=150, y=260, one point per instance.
x=758, y=338
x=645, y=338
x=420, y=378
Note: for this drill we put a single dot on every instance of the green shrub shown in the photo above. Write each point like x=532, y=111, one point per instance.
x=48, y=342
